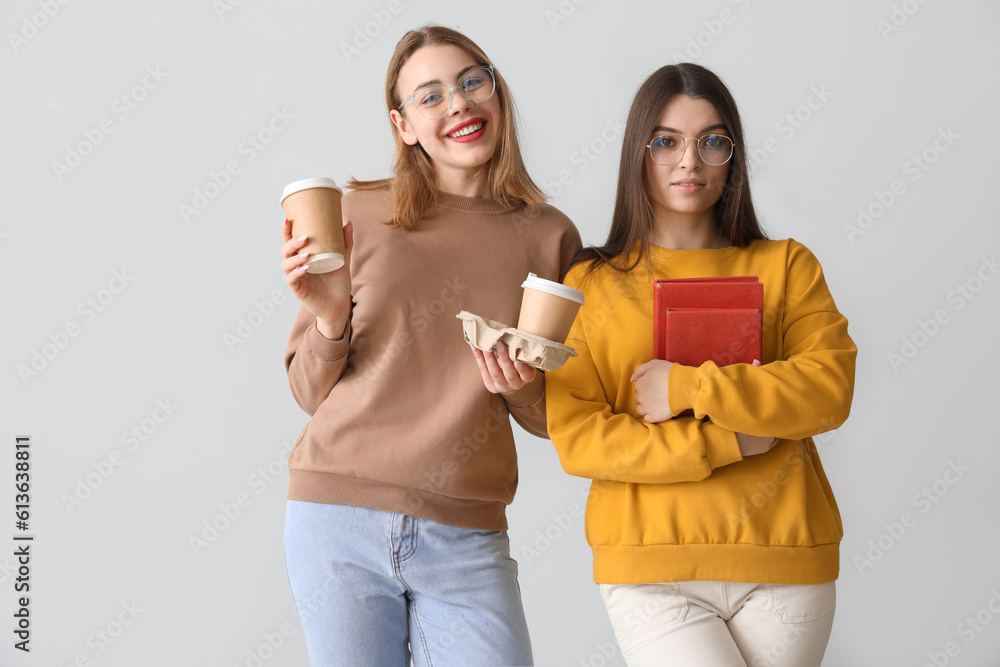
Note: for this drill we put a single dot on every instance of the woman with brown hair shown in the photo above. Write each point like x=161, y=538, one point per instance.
x=714, y=530
x=395, y=534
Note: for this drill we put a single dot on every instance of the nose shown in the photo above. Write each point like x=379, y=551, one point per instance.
x=690, y=159
x=458, y=101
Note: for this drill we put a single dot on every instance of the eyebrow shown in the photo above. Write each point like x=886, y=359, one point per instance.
x=457, y=76
x=717, y=126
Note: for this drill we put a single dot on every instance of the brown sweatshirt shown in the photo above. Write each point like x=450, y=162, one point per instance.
x=401, y=419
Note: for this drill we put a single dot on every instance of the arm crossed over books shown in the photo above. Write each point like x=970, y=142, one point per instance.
x=807, y=391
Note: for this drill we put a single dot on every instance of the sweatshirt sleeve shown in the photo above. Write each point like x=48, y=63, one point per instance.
x=313, y=361
x=595, y=442
x=527, y=406
x=805, y=393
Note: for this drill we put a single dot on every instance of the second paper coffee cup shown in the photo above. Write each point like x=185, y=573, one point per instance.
x=313, y=207
x=548, y=308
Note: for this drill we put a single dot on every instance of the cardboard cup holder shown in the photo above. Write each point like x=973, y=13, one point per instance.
x=543, y=354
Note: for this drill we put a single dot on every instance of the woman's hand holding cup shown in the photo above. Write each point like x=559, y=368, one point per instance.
x=325, y=295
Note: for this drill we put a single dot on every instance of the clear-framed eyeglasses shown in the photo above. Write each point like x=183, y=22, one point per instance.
x=668, y=149
x=434, y=101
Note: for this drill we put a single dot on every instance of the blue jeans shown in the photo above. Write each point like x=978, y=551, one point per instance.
x=371, y=586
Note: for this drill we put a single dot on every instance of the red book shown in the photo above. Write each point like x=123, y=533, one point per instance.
x=708, y=319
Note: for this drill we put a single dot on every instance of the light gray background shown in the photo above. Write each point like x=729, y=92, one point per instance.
x=573, y=69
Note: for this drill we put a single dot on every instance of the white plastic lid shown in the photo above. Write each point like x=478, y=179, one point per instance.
x=307, y=184
x=543, y=285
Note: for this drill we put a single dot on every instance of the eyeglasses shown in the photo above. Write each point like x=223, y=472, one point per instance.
x=477, y=85
x=667, y=149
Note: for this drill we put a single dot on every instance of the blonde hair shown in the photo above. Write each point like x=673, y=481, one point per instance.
x=412, y=187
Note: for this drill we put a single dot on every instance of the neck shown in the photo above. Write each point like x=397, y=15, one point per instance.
x=686, y=231
x=462, y=182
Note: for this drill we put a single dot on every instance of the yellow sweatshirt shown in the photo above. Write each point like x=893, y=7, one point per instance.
x=675, y=500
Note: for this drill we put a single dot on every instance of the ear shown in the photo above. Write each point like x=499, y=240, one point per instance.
x=404, y=128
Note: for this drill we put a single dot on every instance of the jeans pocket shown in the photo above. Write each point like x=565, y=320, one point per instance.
x=801, y=603
x=639, y=612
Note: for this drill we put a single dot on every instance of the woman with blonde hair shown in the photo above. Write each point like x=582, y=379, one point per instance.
x=395, y=533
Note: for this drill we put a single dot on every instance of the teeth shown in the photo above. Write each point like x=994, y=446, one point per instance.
x=467, y=130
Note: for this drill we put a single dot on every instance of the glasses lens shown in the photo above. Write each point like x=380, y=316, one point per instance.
x=477, y=85
x=435, y=101
x=666, y=149
x=715, y=149
x=432, y=101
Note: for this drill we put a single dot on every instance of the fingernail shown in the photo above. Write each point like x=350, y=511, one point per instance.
x=304, y=253
x=302, y=238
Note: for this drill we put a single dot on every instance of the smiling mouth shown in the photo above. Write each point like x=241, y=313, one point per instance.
x=467, y=130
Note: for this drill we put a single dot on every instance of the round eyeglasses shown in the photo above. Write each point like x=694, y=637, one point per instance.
x=434, y=101
x=714, y=149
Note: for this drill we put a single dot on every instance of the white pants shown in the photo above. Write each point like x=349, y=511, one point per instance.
x=721, y=624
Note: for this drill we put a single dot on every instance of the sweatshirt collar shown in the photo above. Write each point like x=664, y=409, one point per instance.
x=695, y=254
x=474, y=205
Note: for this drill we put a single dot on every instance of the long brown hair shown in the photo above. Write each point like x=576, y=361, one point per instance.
x=632, y=221
x=412, y=187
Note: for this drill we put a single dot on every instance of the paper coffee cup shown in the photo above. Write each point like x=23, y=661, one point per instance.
x=313, y=206
x=548, y=308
